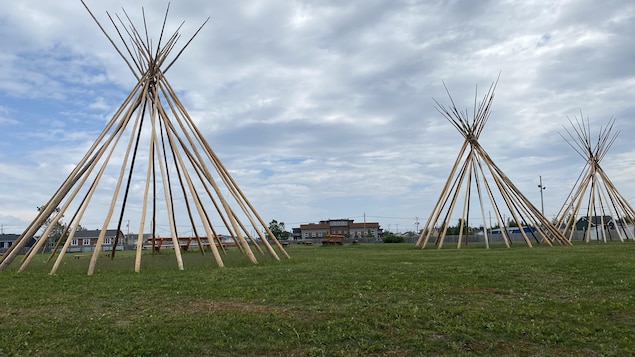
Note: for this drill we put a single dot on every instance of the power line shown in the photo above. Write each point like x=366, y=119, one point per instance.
x=387, y=217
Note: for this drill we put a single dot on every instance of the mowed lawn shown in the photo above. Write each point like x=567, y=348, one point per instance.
x=352, y=300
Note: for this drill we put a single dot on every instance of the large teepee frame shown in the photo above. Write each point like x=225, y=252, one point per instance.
x=594, y=199
x=178, y=180
x=474, y=171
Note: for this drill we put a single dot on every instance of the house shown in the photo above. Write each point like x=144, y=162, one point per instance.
x=583, y=223
x=346, y=227
x=7, y=240
x=296, y=233
x=85, y=240
x=603, y=227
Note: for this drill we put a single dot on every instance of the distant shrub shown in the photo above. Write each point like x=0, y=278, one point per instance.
x=392, y=239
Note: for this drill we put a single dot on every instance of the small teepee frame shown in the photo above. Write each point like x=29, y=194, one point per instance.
x=475, y=172
x=594, y=200
x=180, y=163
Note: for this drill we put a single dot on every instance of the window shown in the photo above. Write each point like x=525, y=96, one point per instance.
x=1, y=244
x=320, y=234
x=306, y=234
x=107, y=241
x=74, y=242
x=86, y=242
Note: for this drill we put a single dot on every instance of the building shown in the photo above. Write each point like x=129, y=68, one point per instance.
x=603, y=227
x=7, y=240
x=583, y=223
x=131, y=239
x=85, y=240
x=296, y=233
x=345, y=227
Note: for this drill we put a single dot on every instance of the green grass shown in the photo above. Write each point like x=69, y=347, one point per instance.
x=362, y=300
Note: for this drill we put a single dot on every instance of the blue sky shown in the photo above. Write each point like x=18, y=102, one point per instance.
x=325, y=109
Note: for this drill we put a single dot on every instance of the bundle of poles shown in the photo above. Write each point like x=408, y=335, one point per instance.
x=604, y=213
x=474, y=173
x=180, y=167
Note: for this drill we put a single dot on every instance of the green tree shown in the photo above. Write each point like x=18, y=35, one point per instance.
x=55, y=233
x=392, y=239
x=454, y=230
x=278, y=229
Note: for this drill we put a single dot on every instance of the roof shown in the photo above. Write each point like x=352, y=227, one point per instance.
x=315, y=226
x=8, y=237
x=595, y=220
x=327, y=224
x=11, y=238
x=94, y=233
x=365, y=225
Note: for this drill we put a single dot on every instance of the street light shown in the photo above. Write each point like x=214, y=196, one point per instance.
x=542, y=203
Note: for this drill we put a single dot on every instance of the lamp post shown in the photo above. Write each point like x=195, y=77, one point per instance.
x=542, y=203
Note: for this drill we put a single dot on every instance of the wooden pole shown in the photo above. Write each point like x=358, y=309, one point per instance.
x=225, y=205
x=226, y=176
x=82, y=177
x=59, y=195
x=162, y=169
x=445, y=193
x=146, y=63
x=446, y=220
x=497, y=213
x=520, y=208
x=198, y=205
x=466, y=200
x=144, y=206
x=136, y=138
x=122, y=170
x=480, y=200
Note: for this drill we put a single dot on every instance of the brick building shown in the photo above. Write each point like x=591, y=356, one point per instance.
x=346, y=227
x=86, y=240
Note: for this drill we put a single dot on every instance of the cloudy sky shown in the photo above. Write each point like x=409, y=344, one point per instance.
x=325, y=109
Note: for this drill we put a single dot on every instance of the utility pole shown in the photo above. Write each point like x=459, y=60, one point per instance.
x=417, y=224
x=542, y=203
x=364, y=233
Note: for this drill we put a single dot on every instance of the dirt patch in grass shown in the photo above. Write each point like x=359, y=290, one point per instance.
x=626, y=316
x=214, y=306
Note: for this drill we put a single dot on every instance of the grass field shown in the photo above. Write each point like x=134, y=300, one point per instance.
x=353, y=300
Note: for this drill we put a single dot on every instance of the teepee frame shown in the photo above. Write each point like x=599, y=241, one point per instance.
x=594, y=199
x=180, y=162
x=475, y=172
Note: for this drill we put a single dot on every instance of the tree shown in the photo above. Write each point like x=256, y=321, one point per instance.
x=278, y=229
x=56, y=232
x=511, y=222
x=392, y=239
x=454, y=230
